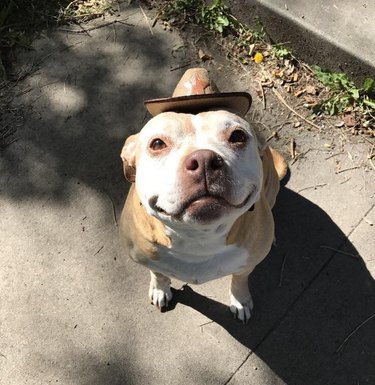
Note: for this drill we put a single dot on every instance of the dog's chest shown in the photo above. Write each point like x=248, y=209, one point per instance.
x=198, y=263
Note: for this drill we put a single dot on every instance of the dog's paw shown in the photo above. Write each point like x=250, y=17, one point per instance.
x=241, y=309
x=160, y=297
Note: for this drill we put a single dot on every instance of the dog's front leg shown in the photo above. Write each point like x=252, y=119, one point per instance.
x=241, y=302
x=160, y=291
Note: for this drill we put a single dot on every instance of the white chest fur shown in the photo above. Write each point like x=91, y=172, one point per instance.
x=199, y=259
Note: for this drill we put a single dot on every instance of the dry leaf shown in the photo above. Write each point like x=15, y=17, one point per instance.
x=309, y=99
x=350, y=121
x=311, y=90
x=204, y=56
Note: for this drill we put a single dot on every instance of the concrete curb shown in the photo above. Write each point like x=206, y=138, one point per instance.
x=338, y=37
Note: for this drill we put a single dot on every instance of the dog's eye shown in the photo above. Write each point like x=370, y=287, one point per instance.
x=157, y=144
x=238, y=136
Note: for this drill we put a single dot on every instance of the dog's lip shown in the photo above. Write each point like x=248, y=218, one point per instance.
x=200, y=196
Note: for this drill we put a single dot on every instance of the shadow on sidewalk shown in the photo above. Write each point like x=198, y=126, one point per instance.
x=305, y=313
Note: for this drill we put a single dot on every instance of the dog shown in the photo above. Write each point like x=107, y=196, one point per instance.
x=203, y=186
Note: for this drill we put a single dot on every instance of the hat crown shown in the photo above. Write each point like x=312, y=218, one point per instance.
x=195, y=93
x=195, y=81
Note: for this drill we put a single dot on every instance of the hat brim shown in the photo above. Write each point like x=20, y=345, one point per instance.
x=237, y=102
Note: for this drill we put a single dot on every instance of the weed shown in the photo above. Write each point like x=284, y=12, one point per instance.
x=280, y=51
x=213, y=17
x=344, y=94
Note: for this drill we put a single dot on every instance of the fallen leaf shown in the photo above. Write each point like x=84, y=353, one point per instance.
x=350, y=120
x=311, y=90
x=204, y=56
x=309, y=99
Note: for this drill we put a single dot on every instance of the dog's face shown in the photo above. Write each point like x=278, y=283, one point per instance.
x=197, y=170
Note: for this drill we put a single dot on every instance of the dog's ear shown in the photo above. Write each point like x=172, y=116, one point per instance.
x=262, y=144
x=128, y=157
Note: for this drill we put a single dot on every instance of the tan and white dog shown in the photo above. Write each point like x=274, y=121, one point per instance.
x=203, y=186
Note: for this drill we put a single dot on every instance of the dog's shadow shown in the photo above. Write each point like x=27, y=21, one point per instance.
x=312, y=320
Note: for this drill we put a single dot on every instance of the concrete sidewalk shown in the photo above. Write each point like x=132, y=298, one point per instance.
x=74, y=309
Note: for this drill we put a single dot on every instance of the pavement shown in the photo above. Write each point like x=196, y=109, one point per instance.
x=338, y=35
x=74, y=308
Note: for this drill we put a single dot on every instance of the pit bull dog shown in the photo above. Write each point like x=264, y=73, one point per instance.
x=203, y=186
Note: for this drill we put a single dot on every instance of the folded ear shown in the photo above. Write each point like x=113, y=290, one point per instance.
x=262, y=144
x=128, y=157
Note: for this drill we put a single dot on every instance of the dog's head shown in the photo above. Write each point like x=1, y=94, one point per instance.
x=198, y=169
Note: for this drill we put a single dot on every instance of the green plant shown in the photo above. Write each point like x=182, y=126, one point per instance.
x=214, y=16
x=281, y=52
x=344, y=94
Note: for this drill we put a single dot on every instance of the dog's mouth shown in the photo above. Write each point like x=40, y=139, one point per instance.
x=202, y=207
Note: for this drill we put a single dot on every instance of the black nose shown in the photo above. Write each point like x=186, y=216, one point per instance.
x=203, y=161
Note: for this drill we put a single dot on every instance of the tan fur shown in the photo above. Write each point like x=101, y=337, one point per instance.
x=140, y=231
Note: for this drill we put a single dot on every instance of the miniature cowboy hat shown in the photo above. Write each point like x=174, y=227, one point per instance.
x=195, y=93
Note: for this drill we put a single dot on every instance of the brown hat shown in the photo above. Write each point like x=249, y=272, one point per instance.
x=195, y=92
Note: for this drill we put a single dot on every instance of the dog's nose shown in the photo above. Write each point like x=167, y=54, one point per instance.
x=203, y=161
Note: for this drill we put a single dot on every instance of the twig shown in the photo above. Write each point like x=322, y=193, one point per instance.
x=292, y=148
x=206, y=323
x=346, y=180
x=347, y=169
x=262, y=94
x=71, y=3
x=356, y=256
x=314, y=187
x=113, y=209
x=273, y=135
x=282, y=271
x=353, y=332
x=182, y=66
x=276, y=132
x=100, y=249
x=282, y=124
x=86, y=30
x=147, y=21
x=294, y=111
x=331, y=156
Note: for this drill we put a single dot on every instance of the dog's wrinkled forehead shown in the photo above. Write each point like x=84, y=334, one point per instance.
x=183, y=127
